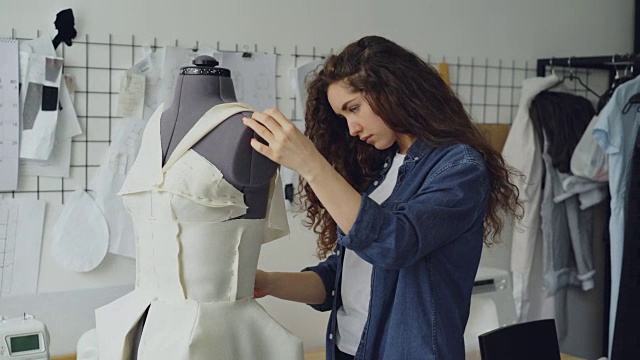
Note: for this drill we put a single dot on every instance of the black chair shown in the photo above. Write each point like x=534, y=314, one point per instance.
x=536, y=340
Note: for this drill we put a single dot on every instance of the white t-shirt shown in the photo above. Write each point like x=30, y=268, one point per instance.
x=356, y=278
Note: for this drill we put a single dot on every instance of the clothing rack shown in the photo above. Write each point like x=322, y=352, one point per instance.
x=612, y=63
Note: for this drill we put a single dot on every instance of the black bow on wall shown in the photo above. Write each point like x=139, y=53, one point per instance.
x=65, y=24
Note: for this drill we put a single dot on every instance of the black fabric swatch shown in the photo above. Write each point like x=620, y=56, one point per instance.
x=49, y=98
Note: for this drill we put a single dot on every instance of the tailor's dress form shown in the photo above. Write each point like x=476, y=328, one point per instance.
x=195, y=260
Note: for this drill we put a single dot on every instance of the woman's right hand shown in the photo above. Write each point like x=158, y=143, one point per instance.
x=304, y=287
x=261, y=286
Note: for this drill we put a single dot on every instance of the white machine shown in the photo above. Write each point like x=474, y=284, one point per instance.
x=492, y=307
x=23, y=338
x=495, y=284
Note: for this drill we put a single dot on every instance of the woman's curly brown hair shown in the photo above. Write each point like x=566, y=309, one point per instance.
x=411, y=98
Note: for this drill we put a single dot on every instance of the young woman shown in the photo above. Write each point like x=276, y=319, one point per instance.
x=402, y=189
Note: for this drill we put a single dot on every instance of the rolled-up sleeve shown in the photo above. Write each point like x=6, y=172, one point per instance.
x=445, y=207
x=327, y=271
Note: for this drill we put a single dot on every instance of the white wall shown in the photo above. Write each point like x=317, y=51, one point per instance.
x=495, y=29
x=507, y=29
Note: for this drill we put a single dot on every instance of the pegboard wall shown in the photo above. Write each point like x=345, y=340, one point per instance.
x=489, y=89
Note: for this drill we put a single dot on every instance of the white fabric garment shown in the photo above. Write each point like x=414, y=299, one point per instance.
x=195, y=261
x=589, y=159
x=589, y=192
x=522, y=151
x=356, y=277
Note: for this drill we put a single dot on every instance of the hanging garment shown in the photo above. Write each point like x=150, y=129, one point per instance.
x=625, y=339
x=560, y=120
x=195, y=259
x=589, y=192
x=588, y=159
x=567, y=234
x=616, y=133
x=563, y=118
x=522, y=151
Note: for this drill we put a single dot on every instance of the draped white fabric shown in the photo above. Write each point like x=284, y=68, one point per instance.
x=195, y=261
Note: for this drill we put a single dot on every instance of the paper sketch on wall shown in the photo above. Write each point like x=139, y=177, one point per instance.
x=41, y=75
x=131, y=96
x=299, y=78
x=59, y=162
x=21, y=219
x=80, y=245
x=254, y=77
x=9, y=115
x=238, y=84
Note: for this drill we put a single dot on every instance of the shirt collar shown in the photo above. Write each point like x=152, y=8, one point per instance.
x=417, y=150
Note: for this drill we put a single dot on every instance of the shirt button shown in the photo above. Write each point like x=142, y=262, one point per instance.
x=386, y=164
x=330, y=336
x=375, y=183
x=338, y=252
x=333, y=293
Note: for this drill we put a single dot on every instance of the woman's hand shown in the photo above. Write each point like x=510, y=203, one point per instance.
x=305, y=287
x=261, y=286
x=286, y=144
x=289, y=147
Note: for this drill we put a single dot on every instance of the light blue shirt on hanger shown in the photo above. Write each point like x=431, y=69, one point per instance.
x=616, y=132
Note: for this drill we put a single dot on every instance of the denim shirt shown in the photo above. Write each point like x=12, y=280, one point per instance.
x=424, y=243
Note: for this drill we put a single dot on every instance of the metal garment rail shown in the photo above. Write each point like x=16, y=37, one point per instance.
x=611, y=63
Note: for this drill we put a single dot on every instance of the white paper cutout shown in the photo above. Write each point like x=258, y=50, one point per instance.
x=80, y=245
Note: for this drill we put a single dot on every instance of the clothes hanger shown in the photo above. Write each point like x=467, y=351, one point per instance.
x=635, y=99
x=559, y=85
x=571, y=76
x=617, y=81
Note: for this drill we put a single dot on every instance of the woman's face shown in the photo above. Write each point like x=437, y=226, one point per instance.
x=360, y=118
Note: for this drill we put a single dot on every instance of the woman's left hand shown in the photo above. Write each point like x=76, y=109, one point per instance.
x=286, y=144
